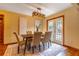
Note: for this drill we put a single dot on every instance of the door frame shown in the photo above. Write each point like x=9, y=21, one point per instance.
x=2, y=18
x=55, y=28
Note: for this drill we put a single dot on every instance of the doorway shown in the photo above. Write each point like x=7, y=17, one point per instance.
x=1, y=29
x=56, y=26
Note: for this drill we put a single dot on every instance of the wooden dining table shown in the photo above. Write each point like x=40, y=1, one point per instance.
x=27, y=37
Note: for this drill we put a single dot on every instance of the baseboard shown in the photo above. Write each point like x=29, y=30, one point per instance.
x=57, y=43
x=71, y=47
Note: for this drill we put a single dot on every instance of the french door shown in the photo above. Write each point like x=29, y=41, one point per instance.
x=55, y=25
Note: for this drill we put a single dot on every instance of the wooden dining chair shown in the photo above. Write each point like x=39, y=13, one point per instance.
x=46, y=39
x=36, y=41
x=20, y=43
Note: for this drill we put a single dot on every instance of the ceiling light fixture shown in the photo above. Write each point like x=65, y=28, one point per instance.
x=38, y=13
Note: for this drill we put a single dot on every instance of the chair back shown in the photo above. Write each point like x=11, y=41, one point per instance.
x=37, y=38
x=17, y=37
x=47, y=36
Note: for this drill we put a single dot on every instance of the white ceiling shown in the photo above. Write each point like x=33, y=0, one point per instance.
x=27, y=8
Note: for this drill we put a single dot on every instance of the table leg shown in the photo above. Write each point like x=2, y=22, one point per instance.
x=25, y=46
x=23, y=38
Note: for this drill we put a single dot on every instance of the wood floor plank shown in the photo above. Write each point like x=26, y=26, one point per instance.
x=2, y=49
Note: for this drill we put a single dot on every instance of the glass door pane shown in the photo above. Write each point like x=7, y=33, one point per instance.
x=51, y=28
x=59, y=30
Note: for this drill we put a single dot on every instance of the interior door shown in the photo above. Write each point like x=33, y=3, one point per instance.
x=1, y=29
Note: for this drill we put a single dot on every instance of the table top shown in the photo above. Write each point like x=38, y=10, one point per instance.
x=27, y=35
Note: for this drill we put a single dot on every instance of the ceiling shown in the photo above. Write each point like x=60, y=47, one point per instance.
x=27, y=8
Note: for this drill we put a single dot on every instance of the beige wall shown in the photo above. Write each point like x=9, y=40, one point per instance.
x=71, y=26
x=11, y=24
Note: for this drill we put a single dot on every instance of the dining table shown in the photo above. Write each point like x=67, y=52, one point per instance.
x=27, y=37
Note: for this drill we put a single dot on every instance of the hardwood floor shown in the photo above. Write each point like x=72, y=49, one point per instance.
x=70, y=51
x=2, y=49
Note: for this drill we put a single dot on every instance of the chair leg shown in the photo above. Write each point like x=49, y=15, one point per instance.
x=39, y=48
x=43, y=46
x=29, y=46
x=33, y=49
x=48, y=44
x=18, y=49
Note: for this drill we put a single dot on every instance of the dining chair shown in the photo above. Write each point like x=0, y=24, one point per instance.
x=36, y=41
x=46, y=39
x=19, y=42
